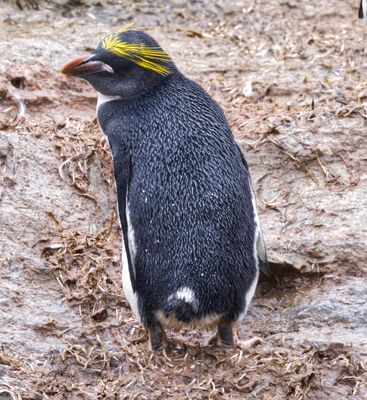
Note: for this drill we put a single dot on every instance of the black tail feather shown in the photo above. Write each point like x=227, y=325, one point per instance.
x=183, y=310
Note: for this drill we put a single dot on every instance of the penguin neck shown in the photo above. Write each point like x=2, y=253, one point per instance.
x=102, y=98
x=131, y=118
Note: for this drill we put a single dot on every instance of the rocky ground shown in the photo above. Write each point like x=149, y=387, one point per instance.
x=291, y=77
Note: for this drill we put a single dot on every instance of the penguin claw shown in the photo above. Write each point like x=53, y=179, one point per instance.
x=165, y=347
x=224, y=338
x=248, y=344
x=214, y=340
x=162, y=345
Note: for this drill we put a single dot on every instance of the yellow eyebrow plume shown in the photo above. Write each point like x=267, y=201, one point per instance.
x=141, y=54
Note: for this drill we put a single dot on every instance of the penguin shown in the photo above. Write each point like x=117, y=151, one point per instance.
x=192, y=243
x=362, y=12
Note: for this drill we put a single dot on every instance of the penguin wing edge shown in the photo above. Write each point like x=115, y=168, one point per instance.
x=122, y=171
x=260, y=243
x=261, y=254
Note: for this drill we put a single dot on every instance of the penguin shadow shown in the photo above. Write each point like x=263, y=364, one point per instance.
x=282, y=276
x=199, y=342
x=275, y=298
x=189, y=344
x=205, y=341
x=178, y=340
x=282, y=279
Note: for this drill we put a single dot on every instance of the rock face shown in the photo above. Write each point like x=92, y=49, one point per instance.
x=63, y=317
x=343, y=303
x=36, y=207
x=334, y=313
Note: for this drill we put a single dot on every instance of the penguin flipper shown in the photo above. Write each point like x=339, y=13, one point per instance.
x=260, y=243
x=122, y=170
x=261, y=254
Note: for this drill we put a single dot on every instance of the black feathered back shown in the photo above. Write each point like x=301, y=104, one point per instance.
x=189, y=198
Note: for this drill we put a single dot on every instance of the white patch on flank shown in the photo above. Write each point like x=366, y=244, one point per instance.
x=102, y=98
x=259, y=246
x=253, y=201
x=251, y=290
x=364, y=8
x=130, y=236
x=131, y=297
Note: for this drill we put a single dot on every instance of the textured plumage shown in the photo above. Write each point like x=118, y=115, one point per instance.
x=187, y=201
x=34, y=4
x=24, y=3
x=191, y=233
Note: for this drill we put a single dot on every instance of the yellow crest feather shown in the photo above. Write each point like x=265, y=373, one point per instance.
x=145, y=56
x=125, y=27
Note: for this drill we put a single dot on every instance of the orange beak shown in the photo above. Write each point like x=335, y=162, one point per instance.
x=81, y=65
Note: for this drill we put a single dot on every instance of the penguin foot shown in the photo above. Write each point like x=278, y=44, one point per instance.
x=157, y=337
x=224, y=336
x=247, y=344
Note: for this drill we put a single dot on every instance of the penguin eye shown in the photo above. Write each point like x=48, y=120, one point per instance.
x=120, y=65
x=124, y=67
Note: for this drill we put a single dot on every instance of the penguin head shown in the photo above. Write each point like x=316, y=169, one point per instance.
x=126, y=63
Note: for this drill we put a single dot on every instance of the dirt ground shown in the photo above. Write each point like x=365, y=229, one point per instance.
x=292, y=79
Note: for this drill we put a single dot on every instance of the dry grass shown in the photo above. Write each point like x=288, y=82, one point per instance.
x=77, y=144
